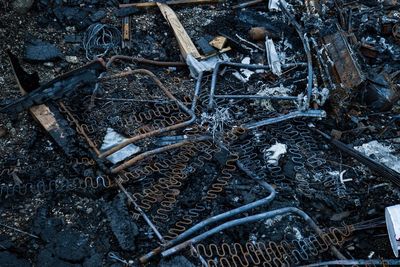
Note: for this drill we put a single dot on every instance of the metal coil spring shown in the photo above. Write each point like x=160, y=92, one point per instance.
x=272, y=253
x=156, y=111
x=223, y=180
x=194, y=213
x=179, y=173
x=152, y=195
x=61, y=185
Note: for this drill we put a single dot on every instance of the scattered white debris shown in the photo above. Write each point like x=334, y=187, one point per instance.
x=274, y=153
x=196, y=66
x=253, y=238
x=320, y=96
x=112, y=139
x=298, y=234
x=244, y=74
x=72, y=59
x=216, y=120
x=392, y=216
x=272, y=57
x=382, y=153
x=271, y=91
x=271, y=222
x=371, y=254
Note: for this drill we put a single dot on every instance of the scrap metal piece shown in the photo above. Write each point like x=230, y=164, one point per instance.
x=126, y=30
x=392, y=216
x=292, y=115
x=347, y=70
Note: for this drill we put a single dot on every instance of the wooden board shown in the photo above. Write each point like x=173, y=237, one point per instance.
x=48, y=115
x=186, y=45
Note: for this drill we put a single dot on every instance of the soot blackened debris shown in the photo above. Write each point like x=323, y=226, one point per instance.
x=40, y=51
x=266, y=133
x=124, y=229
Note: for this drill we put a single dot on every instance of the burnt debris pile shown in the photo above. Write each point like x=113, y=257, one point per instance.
x=199, y=133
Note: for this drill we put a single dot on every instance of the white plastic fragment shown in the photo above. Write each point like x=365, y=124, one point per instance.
x=274, y=153
x=112, y=139
x=244, y=74
x=196, y=66
x=392, y=216
x=273, y=57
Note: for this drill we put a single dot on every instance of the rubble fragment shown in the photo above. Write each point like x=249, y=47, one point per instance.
x=40, y=51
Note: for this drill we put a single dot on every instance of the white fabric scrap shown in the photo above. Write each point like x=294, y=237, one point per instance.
x=111, y=140
x=274, y=153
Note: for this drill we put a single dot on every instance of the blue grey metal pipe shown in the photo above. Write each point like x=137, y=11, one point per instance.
x=251, y=219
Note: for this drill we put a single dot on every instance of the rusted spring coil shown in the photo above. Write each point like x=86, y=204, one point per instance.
x=195, y=212
x=264, y=201
x=272, y=253
x=55, y=186
x=152, y=195
x=156, y=132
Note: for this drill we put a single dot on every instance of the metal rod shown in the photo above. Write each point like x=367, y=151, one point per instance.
x=251, y=219
x=148, y=221
x=147, y=154
x=17, y=230
x=242, y=66
x=197, y=90
x=246, y=4
x=145, y=61
x=295, y=114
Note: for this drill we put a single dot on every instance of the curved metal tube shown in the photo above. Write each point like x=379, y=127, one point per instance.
x=145, y=61
x=307, y=49
x=251, y=219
